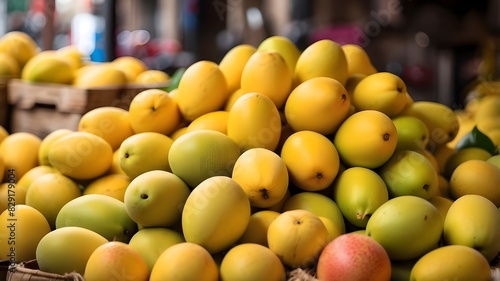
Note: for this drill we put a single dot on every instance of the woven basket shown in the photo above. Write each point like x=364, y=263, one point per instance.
x=29, y=271
x=4, y=267
x=495, y=269
x=301, y=274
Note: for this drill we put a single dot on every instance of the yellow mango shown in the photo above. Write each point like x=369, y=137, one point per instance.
x=267, y=73
x=452, y=262
x=202, y=89
x=216, y=214
x=254, y=121
x=81, y=155
x=20, y=153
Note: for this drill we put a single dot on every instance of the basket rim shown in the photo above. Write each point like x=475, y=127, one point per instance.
x=30, y=267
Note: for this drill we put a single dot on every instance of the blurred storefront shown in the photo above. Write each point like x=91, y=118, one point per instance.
x=437, y=46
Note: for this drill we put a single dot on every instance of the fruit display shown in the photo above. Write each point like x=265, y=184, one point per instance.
x=20, y=57
x=41, y=86
x=272, y=164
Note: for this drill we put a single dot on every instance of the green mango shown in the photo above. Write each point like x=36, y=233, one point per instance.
x=100, y=213
x=407, y=227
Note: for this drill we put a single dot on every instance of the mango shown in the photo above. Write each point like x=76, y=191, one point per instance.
x=9, y=66
x=256, y=231
x=406, y=226
x=368, y=138
x=232, y=65
x=22, y=228
x=152, y=77
x=73, y=54
x=198, y=155
x=151, y=242
x=284, y=46
x=67, y=249
x=43, y=158
x=178, y=132
x=153, y=199
x=359, y=192
x=473, y=221
x=323, y=58
x=131, y=66
x=216, y=214
x=463, y=155
x=108, y=122
x=25, y=181
x=215, y=120
x=318, y=204
x=19, y=45
x=311, y=159
x=334, y=230
x=409, y=173
x=81, y=155
x=263, y=175
x=115, y=260
x=254, y=121
x=55, y=188
x=95, y=76
x=442, y=123
x=488, y=108
x=476, y=177
x=319, y=104
x=154, y=110
x=249, y=261
x=202, y=89
x=144, y=152
x=47, y=67
x=267, y=67
x=358, y=61
x=412, y=133
x=101, y=213
x=382, y=91
x=185, y=261
x=20, y=153
x=113, y=185
x=297, y=237
x=452, y=262
x=232, y=98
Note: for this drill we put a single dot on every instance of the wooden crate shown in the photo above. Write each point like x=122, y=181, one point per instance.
x=43, y=108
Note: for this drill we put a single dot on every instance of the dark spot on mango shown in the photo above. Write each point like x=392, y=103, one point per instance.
x=264, y=193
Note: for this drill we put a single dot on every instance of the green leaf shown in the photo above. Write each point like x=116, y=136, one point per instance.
x=176, y=78
x=476, y=138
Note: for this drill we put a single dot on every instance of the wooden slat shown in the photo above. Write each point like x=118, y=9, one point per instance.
x=65, y=98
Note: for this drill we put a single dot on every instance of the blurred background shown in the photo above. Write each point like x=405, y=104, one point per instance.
x=438, y=47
